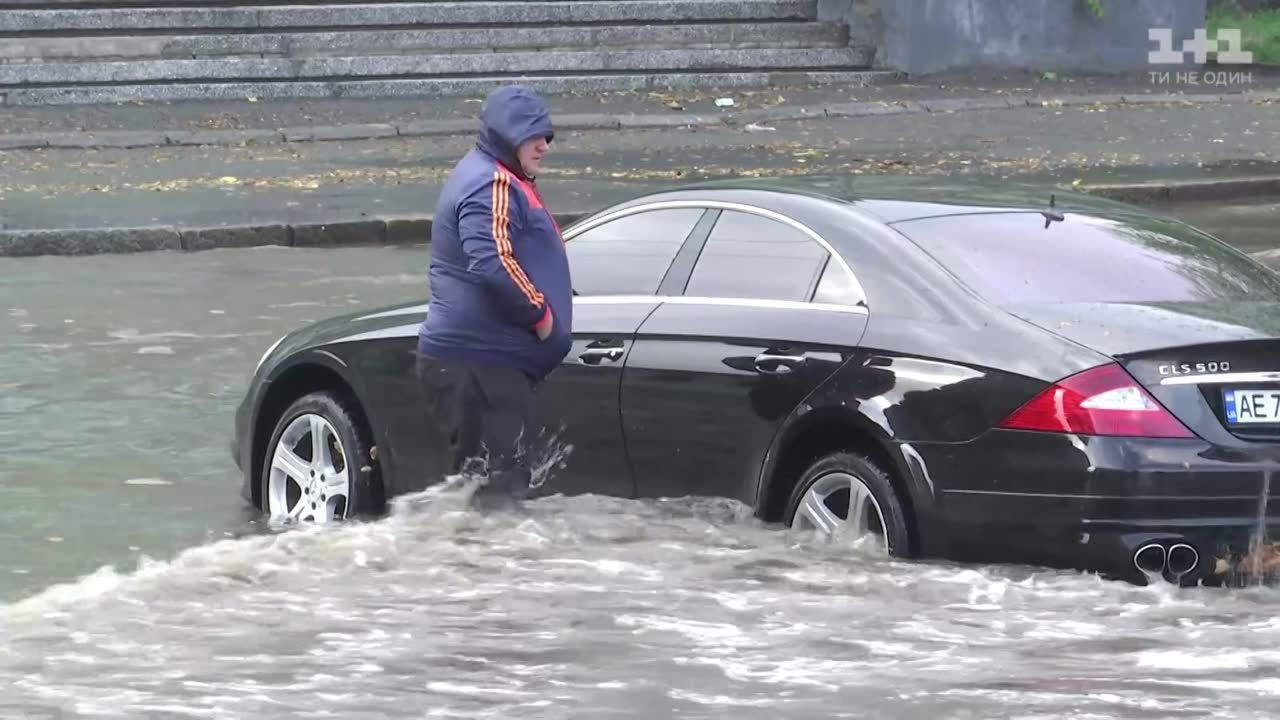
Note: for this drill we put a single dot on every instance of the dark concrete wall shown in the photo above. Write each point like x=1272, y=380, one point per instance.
x=866, y=27
x=925, y=36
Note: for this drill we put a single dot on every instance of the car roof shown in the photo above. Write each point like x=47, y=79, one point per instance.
x=860, y=218
x=895, y=198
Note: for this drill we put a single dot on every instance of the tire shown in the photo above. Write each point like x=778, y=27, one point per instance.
x=298, y=486
x=823, y=482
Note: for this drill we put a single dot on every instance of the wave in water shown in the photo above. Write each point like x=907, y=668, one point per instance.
x=593, y=606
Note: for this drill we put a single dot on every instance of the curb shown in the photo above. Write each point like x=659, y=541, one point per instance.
x=1175, y=190
x=414, y=230
x=598, y=121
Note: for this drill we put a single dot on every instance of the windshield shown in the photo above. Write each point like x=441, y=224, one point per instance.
x=1012, y=258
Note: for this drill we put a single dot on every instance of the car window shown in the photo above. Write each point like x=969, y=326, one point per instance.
x=630, y=255
x=1013, y=258
x=837, y=286
x=749, y=256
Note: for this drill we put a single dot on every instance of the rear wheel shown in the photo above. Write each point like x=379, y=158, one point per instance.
x=313, y=470
x=846, y=496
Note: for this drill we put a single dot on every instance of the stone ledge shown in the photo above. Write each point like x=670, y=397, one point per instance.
x=581, y=121
x=872, y=108
x=414, y=230
x=429, y=128
x=339, y=132
x=400, y=14
x=666, y=121
x=944, y=105
x=108, y=139
x=1174, y=190
x=26, y=243
x=356, y=232
x=303, y=44
x=602, y=121
x=223, y=137
x=431, y=87
x=313, y=68
x=226, y=237
x=23, y=142
x=408, y=231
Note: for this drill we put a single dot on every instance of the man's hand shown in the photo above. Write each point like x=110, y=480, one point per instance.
x=543, y=328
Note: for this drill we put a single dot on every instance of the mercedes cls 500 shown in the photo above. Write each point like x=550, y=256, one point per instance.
x=971, y=372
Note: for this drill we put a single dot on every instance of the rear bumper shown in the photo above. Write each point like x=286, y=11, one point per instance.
x=1090, y=503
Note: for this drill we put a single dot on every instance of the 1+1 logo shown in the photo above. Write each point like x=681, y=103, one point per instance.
x=1200, y=47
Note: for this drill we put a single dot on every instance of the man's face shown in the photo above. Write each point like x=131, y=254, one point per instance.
x=530, y=156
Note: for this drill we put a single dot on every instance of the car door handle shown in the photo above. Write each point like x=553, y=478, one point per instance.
x=777, y=364
x=594, y=356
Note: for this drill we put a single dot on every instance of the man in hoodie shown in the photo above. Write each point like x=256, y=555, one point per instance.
x=501, y=308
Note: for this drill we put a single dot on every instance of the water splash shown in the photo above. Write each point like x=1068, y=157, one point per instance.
x=436, y=503
x=550, y=453
x=1256, y=549
x=455, y=492
x=688, y=605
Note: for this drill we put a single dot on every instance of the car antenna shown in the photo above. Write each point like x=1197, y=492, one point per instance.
x=1051, y=214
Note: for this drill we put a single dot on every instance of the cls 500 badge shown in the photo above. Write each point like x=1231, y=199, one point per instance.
x=1194, y=368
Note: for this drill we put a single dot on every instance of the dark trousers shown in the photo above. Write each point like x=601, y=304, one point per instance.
x=487, y=414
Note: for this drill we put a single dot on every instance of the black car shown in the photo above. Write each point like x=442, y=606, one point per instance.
x=989, y=374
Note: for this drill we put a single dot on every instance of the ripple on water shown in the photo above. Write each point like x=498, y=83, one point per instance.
x=596, y=606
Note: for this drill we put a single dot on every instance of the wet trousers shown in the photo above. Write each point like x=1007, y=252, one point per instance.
x=486, y=413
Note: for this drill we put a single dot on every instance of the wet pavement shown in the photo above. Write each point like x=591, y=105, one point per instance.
x=1252, y=225
x=192, y=187
x=135, y=583
x=258, y=114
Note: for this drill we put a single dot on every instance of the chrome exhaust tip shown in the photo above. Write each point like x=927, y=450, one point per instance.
x=1182, y=559
x=1150, y=558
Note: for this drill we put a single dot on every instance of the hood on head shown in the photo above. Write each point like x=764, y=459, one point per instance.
x=511, y=116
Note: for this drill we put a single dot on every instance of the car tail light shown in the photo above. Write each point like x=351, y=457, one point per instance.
x=1105, y=400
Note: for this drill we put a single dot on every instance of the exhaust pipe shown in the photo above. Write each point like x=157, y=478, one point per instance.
x=1182, y=559
x=1150, y=558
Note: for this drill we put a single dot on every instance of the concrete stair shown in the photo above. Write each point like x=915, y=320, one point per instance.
x=81, y=51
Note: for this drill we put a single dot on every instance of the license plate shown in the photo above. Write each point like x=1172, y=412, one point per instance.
x=1252, y=406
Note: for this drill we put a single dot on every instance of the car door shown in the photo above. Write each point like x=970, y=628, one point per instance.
x=617, y=267
x=765, y=314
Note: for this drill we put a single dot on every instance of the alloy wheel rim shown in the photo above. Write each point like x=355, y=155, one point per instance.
x=841, y=506
x=310, y=478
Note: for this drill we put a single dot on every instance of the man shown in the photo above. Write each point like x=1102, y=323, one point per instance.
x=501, y=306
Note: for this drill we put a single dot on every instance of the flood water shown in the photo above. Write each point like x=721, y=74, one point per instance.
x=135, y=584
x=594, y=608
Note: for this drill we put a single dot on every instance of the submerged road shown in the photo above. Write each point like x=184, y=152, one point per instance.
x=134, y=583
x=118, y=379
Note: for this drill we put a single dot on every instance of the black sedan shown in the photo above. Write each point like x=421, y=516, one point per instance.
x=988, y=374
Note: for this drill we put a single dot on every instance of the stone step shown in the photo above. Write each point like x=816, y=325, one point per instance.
x=330, y=15
x=385, y=42
x=91, y=51
x=383, y=66
x=79, y=4
x=438, y=87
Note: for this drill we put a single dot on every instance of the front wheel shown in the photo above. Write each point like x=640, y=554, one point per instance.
x=316, y=464
x=846, y=496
